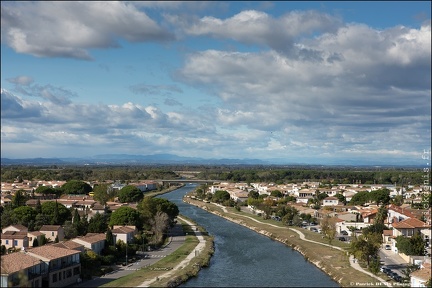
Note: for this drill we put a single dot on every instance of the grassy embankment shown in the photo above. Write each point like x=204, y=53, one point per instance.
x=333, y=262
x=167, y=263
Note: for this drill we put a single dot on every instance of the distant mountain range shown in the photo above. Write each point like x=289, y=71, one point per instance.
x=127, y=159
x=171, y=159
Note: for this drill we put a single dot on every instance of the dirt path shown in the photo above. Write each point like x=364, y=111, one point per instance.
x=183, y=263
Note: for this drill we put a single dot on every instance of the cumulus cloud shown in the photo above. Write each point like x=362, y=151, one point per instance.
x=256, y=27
x=69, y=29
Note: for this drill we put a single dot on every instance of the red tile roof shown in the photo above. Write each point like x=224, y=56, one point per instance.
x=51, y=252
x=17, y=261
x=409, y=223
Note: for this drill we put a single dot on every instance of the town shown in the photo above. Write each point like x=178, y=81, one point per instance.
x=52, y=231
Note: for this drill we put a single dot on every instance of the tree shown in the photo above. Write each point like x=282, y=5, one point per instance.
x=130, y=194
x=366, y=247
x=253, y=194
x=276, y=193
x=220, y=196
x=125, y=216
x=45, y=190
x=341, y=198
x=49, y=208
x=109, y=237
x=160, y=225
x=19, y=199
x=381, y=214
x=360, y=198
x=411, y=246
x=38, y=207
x=165, y=206
x=328, y=227
x=24, y=214
x=103, y=193
x=35, y=242
x=380, y=196
x=76, y=187
x=97, y=224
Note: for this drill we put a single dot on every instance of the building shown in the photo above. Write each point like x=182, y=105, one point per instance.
x=420, y=277
x=45, y=266
x=330, y=201
x=124, y=233
x=92, y=241
x=15, y=239
x=52, y=232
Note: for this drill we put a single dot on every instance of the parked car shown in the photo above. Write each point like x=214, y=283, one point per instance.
x=313, y=229
x=343, y=232
x=387, y=247
x=384, y=269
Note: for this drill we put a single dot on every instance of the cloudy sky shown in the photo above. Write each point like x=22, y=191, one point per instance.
x=310, y=82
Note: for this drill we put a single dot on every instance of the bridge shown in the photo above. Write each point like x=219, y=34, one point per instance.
x=169, y=181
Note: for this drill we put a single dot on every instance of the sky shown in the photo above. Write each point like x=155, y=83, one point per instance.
x=305, y=82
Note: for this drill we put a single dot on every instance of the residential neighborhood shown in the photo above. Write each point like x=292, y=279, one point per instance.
x=27, y=248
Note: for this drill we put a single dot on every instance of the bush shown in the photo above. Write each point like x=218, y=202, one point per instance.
x=108, y=259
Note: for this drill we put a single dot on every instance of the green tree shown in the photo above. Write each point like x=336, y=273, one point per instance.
x=19, y=199
x=38, y=208
x=129, y=194
x=220, y=196
x=109, y=237
x=103, y=193
x=49, y=208
x=125, y=216
x=360, y=198
x=276, y=193
x=97, y=224
x=380, y=196
x=35, y=242
x=411, y=246
x=166, y=206
x=45, y=190
x=253, y=194
x=341, y=198
x=76, y=187
x=24, y=214
x=366, y=247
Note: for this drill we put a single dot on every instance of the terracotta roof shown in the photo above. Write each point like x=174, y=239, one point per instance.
x=19, y=227
x=50, y=228
x=91, y=237
x=331, y=198
x=401, y=210
x=17, y=261
x=35, y=233
x=409, y=223
x=424, y=273
x=122, y=230
x=388, y=232
x=14, y=235
x=68, y=245
x=50, y=252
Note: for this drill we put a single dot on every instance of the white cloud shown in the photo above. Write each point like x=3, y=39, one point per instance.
x=69, y=29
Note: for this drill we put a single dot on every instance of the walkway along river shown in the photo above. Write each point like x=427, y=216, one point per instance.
x=245, y=258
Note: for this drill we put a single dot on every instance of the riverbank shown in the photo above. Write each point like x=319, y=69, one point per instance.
x=177, y=266
x=331, y=259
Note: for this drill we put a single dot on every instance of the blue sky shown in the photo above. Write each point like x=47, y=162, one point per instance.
x=309, y=82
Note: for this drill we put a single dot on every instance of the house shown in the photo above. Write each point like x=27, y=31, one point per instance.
x=34, y=235
x=62, y=266
x=52, y=232
x=330, y=201
x=14, y=239
x=369, y=215
x=92, y=241
x=420, y=277
x=16, y=228
x=69, y=244
x=408, y=227
x=14, y=264
x=124, y=233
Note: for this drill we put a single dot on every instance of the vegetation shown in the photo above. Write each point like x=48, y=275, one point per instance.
x=76, y=187
x=411, y=246
x=130, y=194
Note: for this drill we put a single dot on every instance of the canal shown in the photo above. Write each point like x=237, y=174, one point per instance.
x=244, y=258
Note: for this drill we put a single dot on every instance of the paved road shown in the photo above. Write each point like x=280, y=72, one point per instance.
x=393, y=261
x=151, y=257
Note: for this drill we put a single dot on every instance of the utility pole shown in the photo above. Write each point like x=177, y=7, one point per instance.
x=126, y=251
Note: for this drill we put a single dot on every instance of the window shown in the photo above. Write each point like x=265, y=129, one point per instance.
x=76, y=271
x=15, y=242
x=69, y=273
x=7, y=242
x=52, y=233
x=60, y=276
x=54, y=279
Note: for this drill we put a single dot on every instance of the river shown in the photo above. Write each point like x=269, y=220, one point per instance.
x=244, y=258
